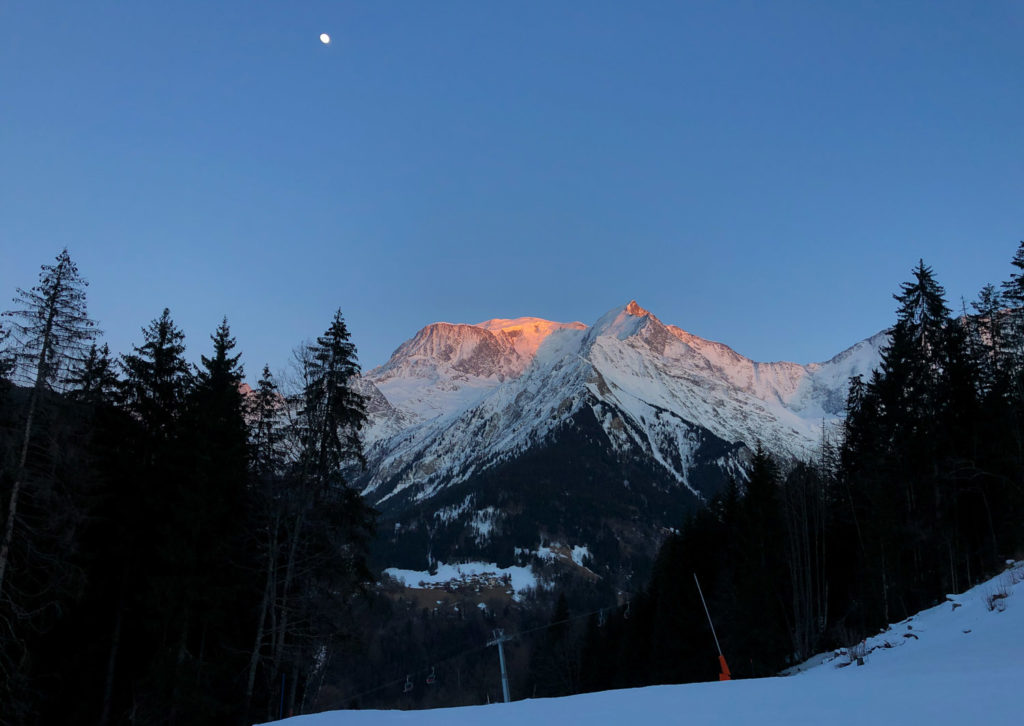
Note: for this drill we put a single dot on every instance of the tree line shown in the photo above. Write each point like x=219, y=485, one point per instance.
x=919, y=492
x=173, y=549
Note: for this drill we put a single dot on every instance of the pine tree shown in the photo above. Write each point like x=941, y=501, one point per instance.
x=334, y=412
x=154, y=550
x=50, y=328
x=1013, y=289
x=209, y=540
x=910, y=392
x=265, y=414
x=908, y=387
x=264, y=411
x=51, y=325
x=95, y=379
x=157, y=376
x=1013, y=294
x=326, y=525
x=222, y=374
x=912, y=362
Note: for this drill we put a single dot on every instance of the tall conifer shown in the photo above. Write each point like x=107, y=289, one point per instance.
x=328, y=525
x=155, y=558
x=209, y=537
x=157, y=376
x=50, y=327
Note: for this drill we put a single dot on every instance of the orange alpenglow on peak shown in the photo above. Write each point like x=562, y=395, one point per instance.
x=528, y=333
x=527, y=326
x=634, y=309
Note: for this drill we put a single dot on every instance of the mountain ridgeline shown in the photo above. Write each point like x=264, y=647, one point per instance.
x=488, y=439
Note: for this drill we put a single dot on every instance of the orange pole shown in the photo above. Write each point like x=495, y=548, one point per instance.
x=724, y=675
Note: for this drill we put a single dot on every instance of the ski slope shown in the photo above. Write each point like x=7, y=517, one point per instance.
x=958, y=663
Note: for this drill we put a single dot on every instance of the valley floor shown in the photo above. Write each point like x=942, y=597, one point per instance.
x=958, y=663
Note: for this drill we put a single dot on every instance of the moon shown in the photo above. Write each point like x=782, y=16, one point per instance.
x=325, y=38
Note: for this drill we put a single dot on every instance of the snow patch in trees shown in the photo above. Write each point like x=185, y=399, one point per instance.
x=579, y=552
x=521, y=579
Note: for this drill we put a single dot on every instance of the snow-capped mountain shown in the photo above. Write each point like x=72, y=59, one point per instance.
x=629, y=418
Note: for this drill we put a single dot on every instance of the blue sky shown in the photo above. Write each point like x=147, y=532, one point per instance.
x=760, y=173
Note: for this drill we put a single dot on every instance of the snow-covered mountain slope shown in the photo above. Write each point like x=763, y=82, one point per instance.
x=955, y=664
x=446, y=368
x=457, y=400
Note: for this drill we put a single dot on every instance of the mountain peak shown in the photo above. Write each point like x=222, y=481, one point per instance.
x=635, y=310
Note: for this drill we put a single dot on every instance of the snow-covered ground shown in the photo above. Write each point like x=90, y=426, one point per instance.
x=958, y=663
x=521, y=579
